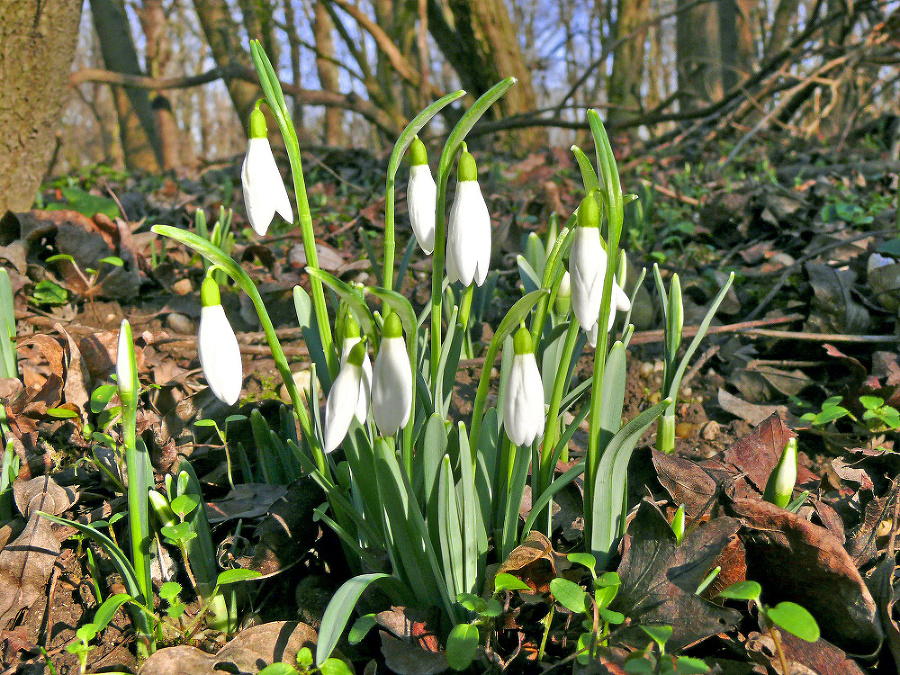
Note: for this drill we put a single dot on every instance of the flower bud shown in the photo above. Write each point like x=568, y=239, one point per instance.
x=421, y=196
x=523, y=402
x=469, y=228
x=391, y=379
x=217, y=345
x=780, y=486
x=264, y=191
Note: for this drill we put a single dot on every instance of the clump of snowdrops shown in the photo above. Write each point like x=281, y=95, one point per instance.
x=437, y=497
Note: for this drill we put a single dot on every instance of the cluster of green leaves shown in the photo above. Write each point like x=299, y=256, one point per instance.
x=877, y=417
x=786, y=615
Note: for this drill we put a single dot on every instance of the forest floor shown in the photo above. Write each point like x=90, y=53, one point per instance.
x=806, y=321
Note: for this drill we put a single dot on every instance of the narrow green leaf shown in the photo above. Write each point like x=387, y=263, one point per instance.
x=361, y=628
x=742, y=590
x=235, y=576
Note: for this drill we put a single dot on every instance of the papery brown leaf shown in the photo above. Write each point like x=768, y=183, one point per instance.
x=833, y=309
x=407, y=658
x=535, y=562
x=77, y=385
x=757, y=453
x=659, y=578
x=796, y=560
x=248, y=652
x=686, y=482
x=410, y=624
x=25, y=566
x=819, y=658
x=41, y=494
x=883, y=582
x=245, y=500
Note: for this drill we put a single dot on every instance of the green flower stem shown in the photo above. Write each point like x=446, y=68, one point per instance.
x=551, y=435
x=613, y=201
x=240, y=277
x=400, y=147
x=137, y=463
x=275, y=98
x=563, y=243
x=665, y=432
x=448, y=156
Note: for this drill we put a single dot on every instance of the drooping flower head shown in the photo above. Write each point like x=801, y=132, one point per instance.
x=391, y=379
x=587, y=267
x=344, y=397
x=469, y=228
x=351, y=339
x=523, y=401
x=220, y=355
x=264, y=191
x=421, y=196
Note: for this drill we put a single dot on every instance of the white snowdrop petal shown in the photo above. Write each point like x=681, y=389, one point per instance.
x=341, y=405
x=220, y=355
x=264, y=191
x=587, y=268
x=421, y=196
x=468, y=235
x=391, y=386
x=523, y=403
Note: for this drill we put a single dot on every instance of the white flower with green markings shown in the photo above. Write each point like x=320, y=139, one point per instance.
x=587, y=267
x=264, y=191
x=351, y=339
x=220, y=355
x=344, y=397
x=421, y=197
x=469, y=228
x=391, y=379
x=523, y=401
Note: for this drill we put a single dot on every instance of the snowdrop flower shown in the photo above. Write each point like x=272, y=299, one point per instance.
x=220, y=356
x=126, y=375
x=523, y=400
x=351, y=339
x=264, y=191
x=587, y=267
x=391, y=379
x=421, y=195
x=563, y=303
x=343, y=399
x=469, y=229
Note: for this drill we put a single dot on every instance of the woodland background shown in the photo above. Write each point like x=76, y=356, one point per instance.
x=168, y=84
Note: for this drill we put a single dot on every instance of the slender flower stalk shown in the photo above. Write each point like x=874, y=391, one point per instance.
x=220, y=355
x=469, y=229
x=264, y=191
x=523, y=403
x=421, y=195
x=391, y=379
x=344, y=397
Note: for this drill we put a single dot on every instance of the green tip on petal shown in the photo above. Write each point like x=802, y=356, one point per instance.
x=418, y=155
x=209, y=293
x=522, y=341
x=351, y=328
x=258, y=123
x=357, y=354
x=467, y=168
x=589, y=212
x=392, y=327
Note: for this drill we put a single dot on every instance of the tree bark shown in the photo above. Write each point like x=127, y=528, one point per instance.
x=624, y=93
x=222, y=35
x=480, y=42
x=699, y=54
x=327, y=69
x=137, y=130
x=37, y=44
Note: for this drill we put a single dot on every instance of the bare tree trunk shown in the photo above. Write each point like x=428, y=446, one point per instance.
x=37, y=44
x=327, y=69
x=222, y=35
x=157, y=53
x=137, y=129
x=479, y=40
x=293, y=38
x=624, y=93
x=699, y=53
x=781, y=26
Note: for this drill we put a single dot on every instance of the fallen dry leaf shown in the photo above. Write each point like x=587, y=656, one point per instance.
x=798, y=561
x=659, y=578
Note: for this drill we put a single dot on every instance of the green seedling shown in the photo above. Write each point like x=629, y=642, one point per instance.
x=788, y=616
x=81, y=646
x=653, y=659
x=305, y=666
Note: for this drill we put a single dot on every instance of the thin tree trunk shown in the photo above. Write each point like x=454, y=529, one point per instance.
x=293, y=38
x=327, y=69
x=37, y=44
x=137, y=129
x=624, y=93
x=480, y=42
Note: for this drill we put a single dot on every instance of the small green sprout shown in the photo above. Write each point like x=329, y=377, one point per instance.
x=788, y=616
x=780, y=486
